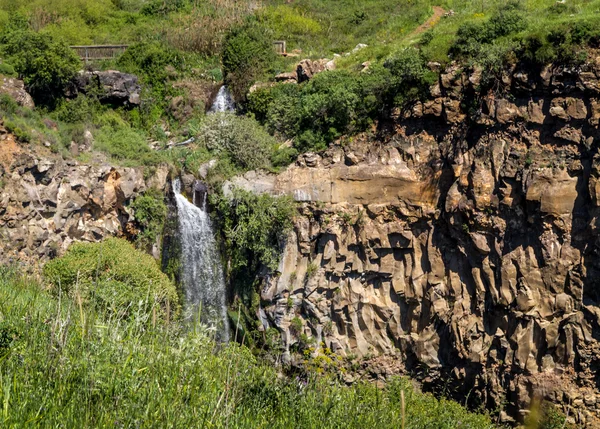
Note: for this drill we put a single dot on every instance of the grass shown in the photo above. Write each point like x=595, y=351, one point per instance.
x=61, y=365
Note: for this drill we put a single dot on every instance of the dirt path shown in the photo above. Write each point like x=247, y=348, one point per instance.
x=438, y=12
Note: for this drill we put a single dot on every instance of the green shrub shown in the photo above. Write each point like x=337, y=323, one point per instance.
x=7, y=70
x=113, y=277
x=411, y=77
x=162, y=7
x=239, y=138
x=329, y=105
x=81, y=109
x=284, y=156
x=247, y=55
x=8, y=105
x=22, y=134
x=124, y=143
x=471, y=37
x=45, y=64
x=150, y=213
x=254, y=227
x=150, y=61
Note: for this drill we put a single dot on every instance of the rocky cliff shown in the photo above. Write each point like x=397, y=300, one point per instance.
x=463, y=242
x=46, y=202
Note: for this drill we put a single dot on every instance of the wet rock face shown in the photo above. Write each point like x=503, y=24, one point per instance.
x=466, y=249
x=47, y=203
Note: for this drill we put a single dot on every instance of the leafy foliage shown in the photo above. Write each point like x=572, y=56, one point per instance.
x=247, y=54
x=114, y=278
x=253, y=226
x=150, y=212
x=45, y=64
x=472, y=37
x=341, y=102
x=125, y=144
x=238, y=138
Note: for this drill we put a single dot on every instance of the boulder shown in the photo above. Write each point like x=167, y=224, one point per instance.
x=306, y=69
x=114, y=87
x=15, y=89
x=291, y=77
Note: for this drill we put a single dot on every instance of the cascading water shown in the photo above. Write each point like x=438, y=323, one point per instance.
x=223, y=101
x=202, y=273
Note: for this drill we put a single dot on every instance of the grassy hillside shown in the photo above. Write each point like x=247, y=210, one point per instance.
x=177, y=47
x=63, y=365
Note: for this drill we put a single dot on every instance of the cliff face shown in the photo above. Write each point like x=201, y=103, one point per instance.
x=466, y=244
x=46, y=203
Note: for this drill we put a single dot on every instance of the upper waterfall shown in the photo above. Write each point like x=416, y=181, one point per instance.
x=223, y=101
x=202, y=273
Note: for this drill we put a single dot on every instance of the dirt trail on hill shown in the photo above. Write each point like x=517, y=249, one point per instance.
x=438, y=12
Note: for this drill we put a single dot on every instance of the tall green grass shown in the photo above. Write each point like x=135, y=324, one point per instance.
x=62, y=366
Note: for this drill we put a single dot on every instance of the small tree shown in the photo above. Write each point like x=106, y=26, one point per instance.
x=45, y=64
x=247, y=54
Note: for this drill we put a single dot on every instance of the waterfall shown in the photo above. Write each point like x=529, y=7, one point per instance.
x=202, y=273
x=223, y=101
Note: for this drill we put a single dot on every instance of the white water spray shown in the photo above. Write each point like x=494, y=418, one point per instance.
x=202, y=273
x=223, y=101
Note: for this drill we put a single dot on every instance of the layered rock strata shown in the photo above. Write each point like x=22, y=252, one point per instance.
x=465, y=243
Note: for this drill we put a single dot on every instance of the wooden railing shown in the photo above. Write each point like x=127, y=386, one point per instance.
x=280, y=47
x=107, y=52
x=99, y=52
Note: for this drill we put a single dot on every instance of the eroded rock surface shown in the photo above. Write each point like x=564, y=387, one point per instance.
x=46, y=203
x=465, y=245
x=15, y=89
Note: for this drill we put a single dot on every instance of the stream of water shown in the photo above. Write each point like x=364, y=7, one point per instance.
x=202, y=274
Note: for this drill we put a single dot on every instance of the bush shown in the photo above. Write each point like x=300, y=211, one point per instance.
x=162, y=7
x=8, y=105
x=124, y=143
x=7, y=70
x=254, y=227
x=81, y=109
x=471, y=36
x=150, y=212
x=114, y=278
x=239, y=138
x=247, y=55
x=150, y=61
x=46, y=65
x=329, y=105
x=21, y=134
x=411, y=78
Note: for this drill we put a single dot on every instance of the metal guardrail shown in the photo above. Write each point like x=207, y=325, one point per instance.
x=99, y=52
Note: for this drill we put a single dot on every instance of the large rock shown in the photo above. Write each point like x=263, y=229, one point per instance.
x=114, y=87
x=15, y=89
x=306, y=69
